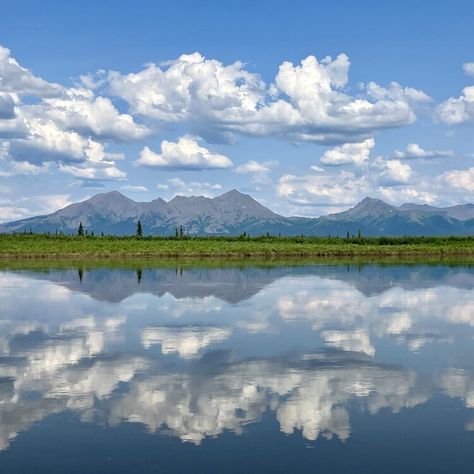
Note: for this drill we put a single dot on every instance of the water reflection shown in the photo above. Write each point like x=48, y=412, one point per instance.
x=197, y=353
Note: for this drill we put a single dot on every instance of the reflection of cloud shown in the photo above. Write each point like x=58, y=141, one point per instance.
x=462, y=313
x=60, y=360
x=348, y=317
x=307, y=395
x=357, y=341
x=187, y=341
x=459, y=383
x=64, y=368
x=416, y=342
x=398, y=323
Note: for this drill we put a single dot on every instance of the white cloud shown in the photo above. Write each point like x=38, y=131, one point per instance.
x=414, y=151
x=253, y=166
x=88, y=171
x=349, y=153
x=60, y=126
x=306, y=102
x=134, y=188
x=387, y=179
x=17, y=79
x=344, y=188
x=10, y=211
x=79, y=110
x=458, y=110
x=258, y=170
x=397, y=92
x=401, y=195
x=185, y=154
x=52, y=202
x=7, y=105
x=29, y=206
x=26, y=168
x=191, y=188
x=463, y=179
x=393, y=172
x=468, y=68
x=46, y=141
x=192, y=89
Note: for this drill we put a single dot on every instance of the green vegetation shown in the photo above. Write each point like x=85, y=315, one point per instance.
x=139, y=229
x=59, y=246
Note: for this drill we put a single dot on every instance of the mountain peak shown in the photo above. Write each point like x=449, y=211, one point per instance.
x=234, y=212
x=233, y=193
x=370, y=201
x=371, y=206
x=109, y=196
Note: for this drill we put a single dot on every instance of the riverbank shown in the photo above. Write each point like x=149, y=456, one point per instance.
x=72, y=247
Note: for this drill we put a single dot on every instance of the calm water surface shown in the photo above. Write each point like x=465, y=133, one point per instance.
x=321, y=368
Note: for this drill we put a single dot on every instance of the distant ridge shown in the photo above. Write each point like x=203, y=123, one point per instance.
x=233, y=213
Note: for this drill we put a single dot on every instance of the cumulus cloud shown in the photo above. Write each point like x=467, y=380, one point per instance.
x=463, y=179
x=253, y=166
x=19, y=80
x=393, y=172
x=46, y=141
x=24, y=168
x=458, y=110
x=79, y=110
x=468, y=68
x=408, y=194
x=414, y=151
x=7, y=105
x=88, y=172
x=134, y=188
x=349, y=153
x=258, y=170
x=191, y=188
x=390, y=180
x=344, y=188
x=185, y=154
x=64, y=126
x=306, y=102
x=14, y=209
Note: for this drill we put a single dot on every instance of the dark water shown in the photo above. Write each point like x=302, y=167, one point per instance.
x=318, y=368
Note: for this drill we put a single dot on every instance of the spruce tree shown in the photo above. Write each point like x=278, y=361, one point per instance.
x=139, y=229
x=80, y=230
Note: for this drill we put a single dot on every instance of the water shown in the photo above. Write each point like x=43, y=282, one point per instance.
x=315, y=368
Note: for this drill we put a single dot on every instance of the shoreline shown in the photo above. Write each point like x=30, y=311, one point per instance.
x=47, y=247
x=134, y=262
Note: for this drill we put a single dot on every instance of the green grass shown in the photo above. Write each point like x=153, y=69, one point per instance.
x=52, y=246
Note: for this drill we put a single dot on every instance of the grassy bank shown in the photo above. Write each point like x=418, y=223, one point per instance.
x=51, y=246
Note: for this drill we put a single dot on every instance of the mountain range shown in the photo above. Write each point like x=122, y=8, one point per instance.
x=233, y=213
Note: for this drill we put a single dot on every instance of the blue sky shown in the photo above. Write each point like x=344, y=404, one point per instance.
x=308, y=107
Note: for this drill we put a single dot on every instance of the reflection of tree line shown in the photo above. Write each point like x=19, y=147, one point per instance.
x=139, y=272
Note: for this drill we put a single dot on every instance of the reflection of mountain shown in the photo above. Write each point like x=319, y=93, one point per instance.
x=100, y=359
x=238, y=284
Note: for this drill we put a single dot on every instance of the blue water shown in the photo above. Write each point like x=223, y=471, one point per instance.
x=311, y=368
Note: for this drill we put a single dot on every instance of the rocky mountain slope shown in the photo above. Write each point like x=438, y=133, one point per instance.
x=233, y=213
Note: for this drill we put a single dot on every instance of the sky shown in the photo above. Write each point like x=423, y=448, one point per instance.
x=307, y=106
